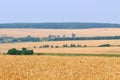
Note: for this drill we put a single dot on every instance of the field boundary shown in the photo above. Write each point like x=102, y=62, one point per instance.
x=68, y=54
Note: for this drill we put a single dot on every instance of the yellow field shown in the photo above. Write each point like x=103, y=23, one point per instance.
x=91, y=50
x=59, y=68
x=61, y=32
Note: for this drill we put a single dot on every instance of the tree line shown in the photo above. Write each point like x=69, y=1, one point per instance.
x=74, y=45
x=54, y=38
x=64, y=25
x=25, y=51
x=86, y=38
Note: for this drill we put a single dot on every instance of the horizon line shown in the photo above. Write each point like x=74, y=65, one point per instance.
x=57, y=22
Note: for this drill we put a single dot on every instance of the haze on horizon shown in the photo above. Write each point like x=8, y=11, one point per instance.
x=38, y=11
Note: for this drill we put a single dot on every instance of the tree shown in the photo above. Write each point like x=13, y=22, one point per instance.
x=29, y=52
x=64, y=36
x=45, y=46
x=73, y=35
x=12, y=51
x=65, y=45
x=72, y=45
x=34, y=46
x=51, y=46
x=40, y=46
x=85, y=45
x=78, y=45
x=24, y=51
x=56, y=46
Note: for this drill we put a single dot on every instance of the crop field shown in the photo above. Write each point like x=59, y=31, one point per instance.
x=59, y=68
x=90, y=49
x=45, y=32
x=88, y=62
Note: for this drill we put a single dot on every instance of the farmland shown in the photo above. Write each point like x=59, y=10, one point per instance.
x=59, y=40
x=59, y=68
x=92, y=47
x=87, y=62
x=67, y=32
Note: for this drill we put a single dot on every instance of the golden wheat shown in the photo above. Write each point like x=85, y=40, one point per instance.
x=59, y=68
x=45, y=32
x=96, y=50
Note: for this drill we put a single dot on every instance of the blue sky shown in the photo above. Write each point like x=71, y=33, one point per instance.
x=106, y=11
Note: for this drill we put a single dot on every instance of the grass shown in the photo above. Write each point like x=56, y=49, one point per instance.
x=66, y=54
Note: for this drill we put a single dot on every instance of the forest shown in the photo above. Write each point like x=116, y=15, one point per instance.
x=64, y=25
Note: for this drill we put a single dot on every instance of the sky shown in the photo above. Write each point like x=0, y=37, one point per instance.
x=38, y=11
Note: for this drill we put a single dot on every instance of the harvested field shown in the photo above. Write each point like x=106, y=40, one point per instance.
x=103, y=50
x=92, y=47
x=59, y=68
x=45, y=32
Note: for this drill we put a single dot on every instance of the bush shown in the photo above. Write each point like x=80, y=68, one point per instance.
x=56, y=46
x=78, y=45
x=34, y=46
x=85, y=45
x=105, y=45
x=27, y=52
x=45, y=46
x=24, y=51
x=72, y=45
x=12, y=51
x=40, y=46
x=65, y=45
x=52, y=46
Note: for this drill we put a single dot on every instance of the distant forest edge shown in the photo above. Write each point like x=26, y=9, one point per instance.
x=66, y=25
x=53, y=38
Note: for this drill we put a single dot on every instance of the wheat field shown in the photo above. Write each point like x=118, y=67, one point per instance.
x=91, y=50
x=59, y=68
x=45, y=32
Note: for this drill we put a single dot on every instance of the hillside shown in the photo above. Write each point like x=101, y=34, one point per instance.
x=67, y=25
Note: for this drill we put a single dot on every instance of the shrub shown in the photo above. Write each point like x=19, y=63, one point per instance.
x=78, y=45
x=105, y=45
x=65, y=45
x=72, y=45
x=29, y=52
x=45, y=46
x=56, y=46
x=12, y=51
x=24, y=51
x=85, y=45
x=40, y=46
x=34, y=46
x=52, y=46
